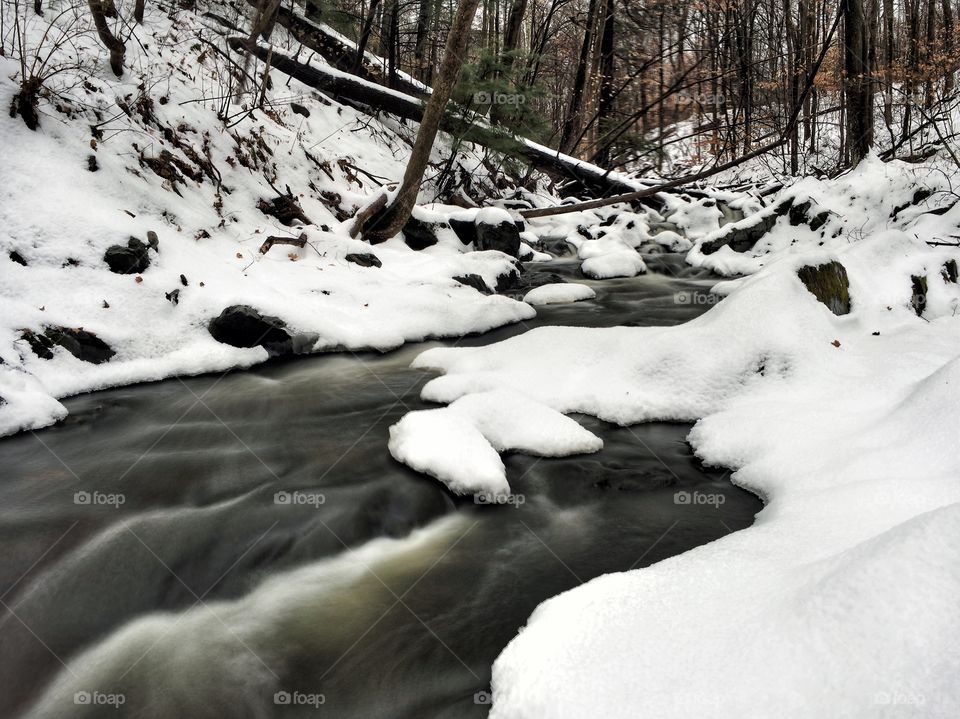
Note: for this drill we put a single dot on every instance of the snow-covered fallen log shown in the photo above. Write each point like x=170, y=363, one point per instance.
x=344, y=86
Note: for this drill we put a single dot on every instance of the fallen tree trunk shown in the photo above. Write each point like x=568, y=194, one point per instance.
x=592, y=179
x=338, y=53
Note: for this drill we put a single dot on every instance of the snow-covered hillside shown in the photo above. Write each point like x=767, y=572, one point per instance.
x=161, y=153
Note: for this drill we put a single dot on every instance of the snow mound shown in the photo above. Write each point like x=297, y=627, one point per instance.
x=459, y=444
x=559, y=292
x=621, y=263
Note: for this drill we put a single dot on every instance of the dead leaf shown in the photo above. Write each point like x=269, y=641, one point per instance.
x=836, y=343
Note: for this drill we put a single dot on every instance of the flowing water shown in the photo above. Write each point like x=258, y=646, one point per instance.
x=246, y=546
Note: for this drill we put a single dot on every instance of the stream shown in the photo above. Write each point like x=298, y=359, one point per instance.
x=243, y=545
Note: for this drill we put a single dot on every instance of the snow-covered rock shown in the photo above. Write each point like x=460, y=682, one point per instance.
x=559, y=292
x=459, y=444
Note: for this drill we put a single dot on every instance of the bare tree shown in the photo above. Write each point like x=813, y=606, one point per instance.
x=98, y=8
x=397, y=214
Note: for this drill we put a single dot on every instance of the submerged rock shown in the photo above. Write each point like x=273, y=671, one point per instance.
x=829, y=284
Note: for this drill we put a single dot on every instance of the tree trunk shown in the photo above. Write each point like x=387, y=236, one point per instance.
x=396, y=216
x=570, y=123
x=948, y=79
x=605, y=101
x=138, y=9
x=365, y=36
x=111, y=42
x=858, y=86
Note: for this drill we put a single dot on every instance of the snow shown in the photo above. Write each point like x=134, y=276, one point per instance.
x=60, y=218
x=841, y=599
x=619, y=263
x=459, y=444
x=559, y=292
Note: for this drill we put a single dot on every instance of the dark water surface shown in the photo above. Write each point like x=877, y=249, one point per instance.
x=205, y=595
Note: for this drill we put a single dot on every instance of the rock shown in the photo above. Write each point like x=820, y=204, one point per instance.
x=474, y=281
x=17, y=257
x=829, y=284
x=801, y=215
x=364, y=259
x=183, y=280
x=504, y=237
x=420, y=235
x=243, y=326
x=465, y=230
x=173, y=296
x=92, y=165
x=41, y=345
x=302, y=343
x=130, y=260
x=739, y=238
x=918, y=298
x=508, y=280
x=153, y=242
x=949, y=271
x=299, y=109
x=81, y=344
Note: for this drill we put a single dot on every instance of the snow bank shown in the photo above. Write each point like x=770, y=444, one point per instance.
x=841, y=599
x=57, y=219
x=559, y=292
x=459, y=444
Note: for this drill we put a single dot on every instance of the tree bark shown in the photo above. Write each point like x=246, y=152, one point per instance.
x=397, y=214
x=111, y=42
x=858, y=85
x=571, y=120
x=605, y=101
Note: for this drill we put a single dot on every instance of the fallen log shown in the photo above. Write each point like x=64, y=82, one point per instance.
x=343, y=86
x=340, y=54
